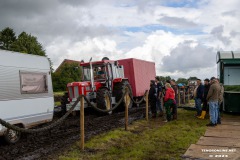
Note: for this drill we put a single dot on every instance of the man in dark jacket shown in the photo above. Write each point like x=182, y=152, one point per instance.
x=198, y=96
x=205, y=104
x=159, y=96
x=153, y=98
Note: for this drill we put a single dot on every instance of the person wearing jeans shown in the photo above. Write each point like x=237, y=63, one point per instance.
x=213, y=111
x=213, y=98
x=198, y=96
x=198, y=103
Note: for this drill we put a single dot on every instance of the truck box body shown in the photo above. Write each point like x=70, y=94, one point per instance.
x=139, y=73
x=26, y=95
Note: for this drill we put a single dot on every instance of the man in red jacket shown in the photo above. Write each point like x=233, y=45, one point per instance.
x=169, y=100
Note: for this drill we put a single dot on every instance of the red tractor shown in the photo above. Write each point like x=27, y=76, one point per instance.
x=103, y=83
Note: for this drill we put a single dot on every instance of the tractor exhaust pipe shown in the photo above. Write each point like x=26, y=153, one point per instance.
x=91, y=74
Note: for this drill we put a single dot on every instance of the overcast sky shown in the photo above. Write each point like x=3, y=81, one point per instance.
x=182, y=37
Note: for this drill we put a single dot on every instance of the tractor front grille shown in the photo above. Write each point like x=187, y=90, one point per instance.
x=76, y=92
x=70, y=91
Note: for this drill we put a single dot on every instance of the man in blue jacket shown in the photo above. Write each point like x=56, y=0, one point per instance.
x=198, y=97
x=152, y=97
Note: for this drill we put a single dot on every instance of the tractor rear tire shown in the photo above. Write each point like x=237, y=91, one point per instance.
x=118, y=91
x=104, y=100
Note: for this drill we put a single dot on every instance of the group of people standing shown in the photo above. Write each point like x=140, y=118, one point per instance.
x=169, y=94
x=208, y=97
x=211, y=96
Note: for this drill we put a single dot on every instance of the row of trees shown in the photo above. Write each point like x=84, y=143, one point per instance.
x=24, y=43
x=179, y=80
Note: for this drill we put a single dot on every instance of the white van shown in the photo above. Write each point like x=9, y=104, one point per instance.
x=26, y=95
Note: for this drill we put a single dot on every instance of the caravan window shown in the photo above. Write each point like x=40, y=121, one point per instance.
x=32, y=83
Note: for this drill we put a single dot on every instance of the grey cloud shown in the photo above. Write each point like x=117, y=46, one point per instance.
x=143, y=5
x=218, y=33
x=80, y=2
x=27, y=8
x=234, y=33
x=50, y=19
x=217, y=30
x=185, y=58
x=230, y=13
x=20, y=14
x=52, y=22
x=176, y=22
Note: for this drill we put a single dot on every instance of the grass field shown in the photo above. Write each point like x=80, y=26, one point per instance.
x=144, y=140
x=57, y=103
x=59, y=93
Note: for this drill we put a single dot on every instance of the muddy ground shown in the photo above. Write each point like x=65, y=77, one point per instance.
x=49, y=145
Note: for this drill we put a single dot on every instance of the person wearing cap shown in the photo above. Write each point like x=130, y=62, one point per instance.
x=213, y=99
x=169, y=100
x=205, y=104
x=152, y=98
x=198, y=97
x=159, y=96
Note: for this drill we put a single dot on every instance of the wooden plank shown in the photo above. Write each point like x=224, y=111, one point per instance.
x=218, y=141
x=222, y=133
x=211, y=152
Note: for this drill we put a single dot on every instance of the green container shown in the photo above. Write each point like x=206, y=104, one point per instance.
x=231, y=101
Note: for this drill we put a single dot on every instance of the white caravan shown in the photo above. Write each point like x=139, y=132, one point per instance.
x=26, y=95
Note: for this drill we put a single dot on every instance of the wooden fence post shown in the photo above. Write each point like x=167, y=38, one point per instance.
x=147, y=106
x=82, y=123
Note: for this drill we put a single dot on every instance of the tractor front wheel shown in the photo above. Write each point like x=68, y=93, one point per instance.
x=118, y=91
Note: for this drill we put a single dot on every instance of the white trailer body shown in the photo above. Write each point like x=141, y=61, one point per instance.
x=26, y=95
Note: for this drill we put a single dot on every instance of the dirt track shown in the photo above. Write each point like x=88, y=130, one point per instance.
x=48, y=145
